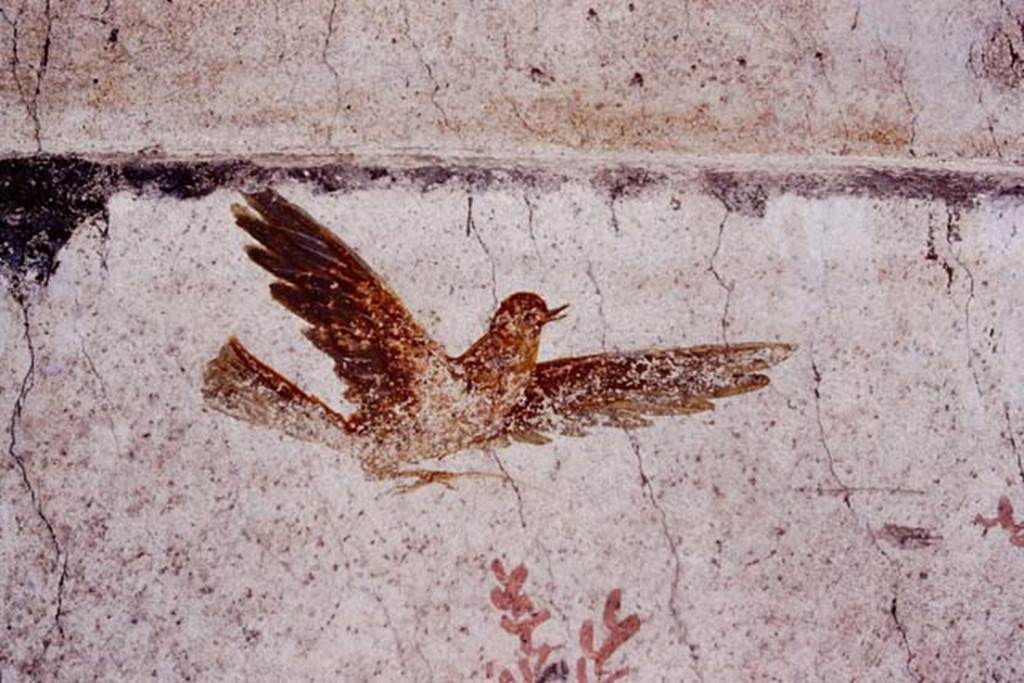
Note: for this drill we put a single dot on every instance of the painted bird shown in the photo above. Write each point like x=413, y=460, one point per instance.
x=414, y=401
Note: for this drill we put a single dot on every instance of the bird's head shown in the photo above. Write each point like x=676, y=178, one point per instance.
x=525, y=313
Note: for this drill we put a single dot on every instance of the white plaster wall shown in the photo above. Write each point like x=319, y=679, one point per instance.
x=201, y=547
x=922, y=80
x=842, y=176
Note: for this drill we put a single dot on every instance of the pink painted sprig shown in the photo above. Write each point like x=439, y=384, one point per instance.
x=520, y=618
x=618, y=633
x=1004, y=518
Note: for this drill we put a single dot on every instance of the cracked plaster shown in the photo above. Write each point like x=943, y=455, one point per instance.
x=205, y=547
x=824, y=78
x=840, y=175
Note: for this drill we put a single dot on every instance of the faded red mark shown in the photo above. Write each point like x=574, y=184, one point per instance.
x=908, y=537
x=520, y=618
x=1004, y=518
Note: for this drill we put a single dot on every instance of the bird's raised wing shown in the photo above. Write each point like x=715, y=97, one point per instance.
x=378, y=348
x=623, y=389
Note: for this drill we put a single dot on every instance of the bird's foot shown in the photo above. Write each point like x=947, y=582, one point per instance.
x=425, y=477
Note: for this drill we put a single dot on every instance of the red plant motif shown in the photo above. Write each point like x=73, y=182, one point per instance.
x=1004, y=518
x=618, y=633
x=521, y=618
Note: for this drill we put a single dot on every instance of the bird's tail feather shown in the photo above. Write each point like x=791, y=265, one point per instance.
x=240, y=385
x=731, y=369
x=684, y=380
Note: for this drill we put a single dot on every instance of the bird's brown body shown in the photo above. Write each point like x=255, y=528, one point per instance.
x=415, y=402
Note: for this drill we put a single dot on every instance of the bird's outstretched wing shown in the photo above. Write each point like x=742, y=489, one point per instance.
x=379, y=350
x=624, y=389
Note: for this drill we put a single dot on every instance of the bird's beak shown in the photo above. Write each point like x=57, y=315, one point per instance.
x=556, y=314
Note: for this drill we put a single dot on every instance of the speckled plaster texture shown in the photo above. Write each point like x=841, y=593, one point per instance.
x=821, y=77
x=841, y=176
x=820, y=529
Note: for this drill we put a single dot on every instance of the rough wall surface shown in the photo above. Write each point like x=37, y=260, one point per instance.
x=941, y=80
x=678, y=173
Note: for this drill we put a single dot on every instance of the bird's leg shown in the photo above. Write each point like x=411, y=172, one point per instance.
x=425, y=477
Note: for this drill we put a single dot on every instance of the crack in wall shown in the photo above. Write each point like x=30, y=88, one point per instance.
x=104, y=392
x=472, y=230
x=836, y=102
x=829, y=458
x=953, y=235
x=390, y=625
x=103, y=228
x=990, y=125
x=1013, y=443
x=430, y=73
x=515, y=487
x=330, y=67
x=727, y=287
x=896, y=70
x=15, y=75
x=530, y=207
x=647, y=489
x=932, y=254
x=60, y=561
x=894, y=613
x=30, y=95
x=44, y=62
x=600, y=303
x=999, y=59
x=621, y=182
x=15, y=62
x=614, y=215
